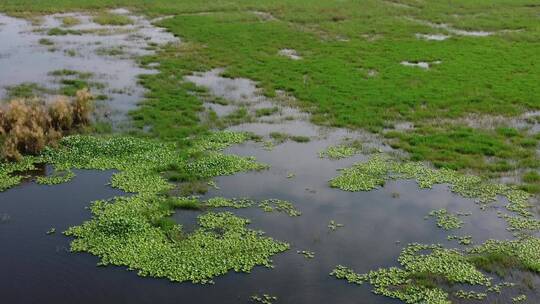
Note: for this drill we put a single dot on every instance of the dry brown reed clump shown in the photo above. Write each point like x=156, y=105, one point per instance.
x=27, y=126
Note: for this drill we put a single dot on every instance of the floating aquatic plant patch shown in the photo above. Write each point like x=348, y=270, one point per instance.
x=426, y=270
x=135, y=231
x=306, y=253
x=341, y=151
x=463, y=240
x=10, y=172
x=446, y=220
x=271, y=205
x=264, y=298
x=127, y=232
x=366, y=176
x=519, y=223
x=413, y=282
x=333, y=225
x=56, y=178
x=470, y=295
x=220, y=202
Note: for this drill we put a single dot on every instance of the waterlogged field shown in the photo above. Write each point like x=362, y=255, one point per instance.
x=269, y=152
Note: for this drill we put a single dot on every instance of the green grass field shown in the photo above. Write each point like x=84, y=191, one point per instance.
x=350, y=73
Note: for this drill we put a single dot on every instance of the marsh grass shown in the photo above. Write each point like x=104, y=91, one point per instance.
x=70, y=21
x=26, y=90
x=499, y=263
x=27, y=126
x=112, y=19
x=45, y=41
x=63, y=32
x=266, y=111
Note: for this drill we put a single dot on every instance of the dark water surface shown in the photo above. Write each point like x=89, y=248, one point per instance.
x=37, y=268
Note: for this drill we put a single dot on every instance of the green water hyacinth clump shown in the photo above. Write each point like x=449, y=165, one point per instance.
x=343, y=272
x=264, y=299
x=519, y=223
x=217, y=141
x=366, y=176
x=306, y=253
x=338, y=151
x=463, y=240
x=470, y=295
x=271, y=205
x=141, y=160
x=59, y=177
x=519, y=299
x=136, y=232
x=446, y=220
x=497, y=288
x=138, y=160
x=124, y=232
x=221, y=202
x=524, y=252
x=333, y=225
x=10, y=171
x=217, y=164
x=411, y=282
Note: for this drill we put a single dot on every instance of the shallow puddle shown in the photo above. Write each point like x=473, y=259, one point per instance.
x=420, y=64
x=436, y=37
x=29, y=53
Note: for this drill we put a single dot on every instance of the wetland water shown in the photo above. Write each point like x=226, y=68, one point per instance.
x=30, y=54
x=37, y=268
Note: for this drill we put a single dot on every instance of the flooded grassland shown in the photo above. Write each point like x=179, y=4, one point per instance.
x=264, y=207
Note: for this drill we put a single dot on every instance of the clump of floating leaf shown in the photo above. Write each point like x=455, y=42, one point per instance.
x=59, y=177
x=135, y=231
x=519, y=298
x=217, y=141
x=264, y=298
x=446, y=220
x=333, y=225
x=341, y=151
x=220, y=202
x=10, y=171
x=366, y=176
x=271, y=205
x=413, y=283
x=306, y=253
x=122, y=232
x=522, y=254
x=520, y=223
x=470, y=295
x=463, y=240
